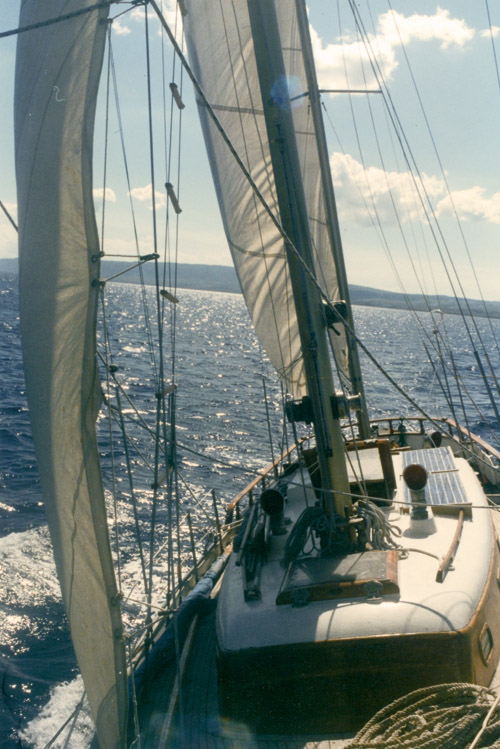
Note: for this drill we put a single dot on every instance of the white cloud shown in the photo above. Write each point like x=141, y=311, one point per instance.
x=144, y=194
x=472, y=204
x=98, y=193
x=361, y=191
x=397, y=29
x=119, y=27
x=346, y=64
x=170, y=12
x=123, y=25
x=488, y=33
x=341, y=66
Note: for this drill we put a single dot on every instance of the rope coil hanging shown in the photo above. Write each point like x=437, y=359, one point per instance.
x=447, y=716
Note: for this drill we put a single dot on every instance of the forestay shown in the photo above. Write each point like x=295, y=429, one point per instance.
x=58, y=68
x=221, y=52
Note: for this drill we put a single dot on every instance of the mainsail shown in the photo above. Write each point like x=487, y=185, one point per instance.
x=222, y=55
x=57, y=73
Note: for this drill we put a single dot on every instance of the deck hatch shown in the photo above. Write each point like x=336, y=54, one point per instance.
x=368, y=574
x=444, y=487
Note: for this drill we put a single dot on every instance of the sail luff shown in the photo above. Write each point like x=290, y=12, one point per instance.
x=57, y=74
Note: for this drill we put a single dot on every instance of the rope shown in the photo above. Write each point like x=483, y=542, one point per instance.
x=4, y=209
x=379, y=532
x=58, y=19
x=447, y=716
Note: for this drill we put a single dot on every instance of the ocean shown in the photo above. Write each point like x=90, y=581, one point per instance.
x=220, y=369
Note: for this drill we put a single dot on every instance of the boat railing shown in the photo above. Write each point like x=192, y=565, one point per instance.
x=257, y=486
x=215, y=541
x=463, y=442
x=417, y=424
x=474, y=438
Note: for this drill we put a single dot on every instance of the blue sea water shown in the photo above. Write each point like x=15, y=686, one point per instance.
x=221, y=414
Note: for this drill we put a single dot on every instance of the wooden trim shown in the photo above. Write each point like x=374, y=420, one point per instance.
x=475, y=438
x=450, y=423
x=443, y=567
x=261, y=477
x=383, y=444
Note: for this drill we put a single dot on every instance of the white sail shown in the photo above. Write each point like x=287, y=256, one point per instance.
x=222, y=55
x=58, y=68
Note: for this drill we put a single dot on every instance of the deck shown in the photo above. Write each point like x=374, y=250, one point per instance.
x=189, y=717
x=198, y=725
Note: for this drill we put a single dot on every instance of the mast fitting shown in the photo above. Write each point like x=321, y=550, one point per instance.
x=335, y=312
x=343, y=404
x=300, y=411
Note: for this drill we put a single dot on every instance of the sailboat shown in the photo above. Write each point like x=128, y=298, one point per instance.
x=362, y=564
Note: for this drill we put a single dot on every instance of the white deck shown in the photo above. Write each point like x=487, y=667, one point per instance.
x=423, y=605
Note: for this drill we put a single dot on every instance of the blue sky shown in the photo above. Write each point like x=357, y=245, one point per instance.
x=450, y=50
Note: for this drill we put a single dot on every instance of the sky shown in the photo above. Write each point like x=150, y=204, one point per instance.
x=448, y=103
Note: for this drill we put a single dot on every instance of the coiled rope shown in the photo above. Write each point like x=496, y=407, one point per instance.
x=447, y=716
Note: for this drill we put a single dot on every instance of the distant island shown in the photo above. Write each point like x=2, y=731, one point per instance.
x=223, y=278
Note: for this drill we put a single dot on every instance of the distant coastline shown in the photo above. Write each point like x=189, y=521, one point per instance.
x=223, y=278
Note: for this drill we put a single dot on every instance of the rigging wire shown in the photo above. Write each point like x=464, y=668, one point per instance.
x=106, y=136
x=139, y=420
x=170, y=264
x=148, y=325
x=396, y=212
x=426, y=203
x=59, y=18
x=114, y=491
x=160, y=431
x=405, y=394
x=147, y=582
x=258, y=193
x=248, y=176
x=452, y=202
x=495, y=58
x=377, y=225
x=4, y=209
x=401, y=137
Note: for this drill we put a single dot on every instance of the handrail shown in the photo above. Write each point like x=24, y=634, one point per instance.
x=450, y=423
x=443, y=567
x=262, y=476
x=391, y=419
x=475, y=438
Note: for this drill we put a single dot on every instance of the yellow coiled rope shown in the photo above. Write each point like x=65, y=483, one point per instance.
x=447, y=716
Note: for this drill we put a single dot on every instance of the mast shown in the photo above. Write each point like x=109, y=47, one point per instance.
x=293, y=210
x=331, y=212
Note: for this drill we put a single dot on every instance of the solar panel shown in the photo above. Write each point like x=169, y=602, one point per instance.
x=444, y=487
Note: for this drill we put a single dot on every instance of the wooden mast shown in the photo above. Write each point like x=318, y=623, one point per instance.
x=293, y=212
x=331, y=212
